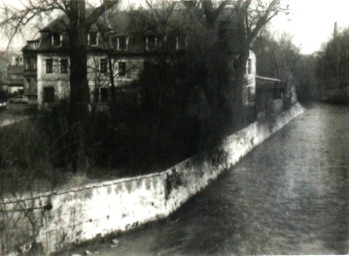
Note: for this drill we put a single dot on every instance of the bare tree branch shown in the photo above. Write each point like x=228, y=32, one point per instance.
x=107, y=4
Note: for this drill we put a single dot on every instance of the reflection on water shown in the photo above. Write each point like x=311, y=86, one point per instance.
x=289, y=196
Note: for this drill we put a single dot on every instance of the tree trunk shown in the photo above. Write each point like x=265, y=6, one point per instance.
x=113, y=112
x=239, y=113
x=79, y=89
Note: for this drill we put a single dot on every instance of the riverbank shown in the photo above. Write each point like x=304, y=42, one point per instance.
x=289, y=196
x=97, y=210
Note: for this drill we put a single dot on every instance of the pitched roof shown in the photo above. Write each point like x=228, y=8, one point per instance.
x=135, y=23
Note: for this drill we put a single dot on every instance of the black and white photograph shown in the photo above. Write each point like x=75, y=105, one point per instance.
x=174, y=127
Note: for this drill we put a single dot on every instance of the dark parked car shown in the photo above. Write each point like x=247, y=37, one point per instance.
x=19, y=99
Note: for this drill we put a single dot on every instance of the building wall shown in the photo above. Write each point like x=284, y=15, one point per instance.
x=17, y=60
x=249, y=91
x=30, y=74
x=15, y=77
x=134, y=66
x=56, y=80
x=96, y=79
x=30, y=86
x=78, y=214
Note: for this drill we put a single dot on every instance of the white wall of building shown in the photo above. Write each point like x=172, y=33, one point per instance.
x=60, y=82
x=249, y=91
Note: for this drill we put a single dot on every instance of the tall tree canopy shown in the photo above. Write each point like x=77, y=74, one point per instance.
x=231, y=26
x=76, y=24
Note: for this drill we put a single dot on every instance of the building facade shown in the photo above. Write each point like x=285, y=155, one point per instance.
x=30, y=69
x=47, y=63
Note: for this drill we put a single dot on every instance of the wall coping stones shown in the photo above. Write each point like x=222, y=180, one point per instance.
x=82, y=213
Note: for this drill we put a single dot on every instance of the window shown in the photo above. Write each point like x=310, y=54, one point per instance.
x=93, y=38
x=49, y=94
x=160, y=41
x=122, y=42
x=49, y=66
x=103, y=66
x=150, y=42
x=249, y=66
x=30, y=64
x=28, y=81
x=181, y=42
x=34, y=45
x=104, y=94
x=64, y=66
x=96, y=95
x=249, y=94
x=57, y=40
x=122, y=68
x=33, y=63
x=114, y=41
x=27, y=63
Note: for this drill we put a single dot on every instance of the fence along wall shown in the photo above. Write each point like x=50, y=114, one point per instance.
x=50, y=221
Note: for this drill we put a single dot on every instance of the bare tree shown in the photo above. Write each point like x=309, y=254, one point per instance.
x=229, y=27
x=76, y=24
x=251, y=17
x=277, y=56
x=162, y=28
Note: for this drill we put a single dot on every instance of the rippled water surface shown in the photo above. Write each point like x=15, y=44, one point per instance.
x=289, y=196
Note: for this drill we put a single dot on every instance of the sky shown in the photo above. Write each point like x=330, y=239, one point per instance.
x=310, y=22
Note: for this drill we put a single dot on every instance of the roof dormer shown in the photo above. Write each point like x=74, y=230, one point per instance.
x=33, y=44
x=92, y=38
x=56, y=39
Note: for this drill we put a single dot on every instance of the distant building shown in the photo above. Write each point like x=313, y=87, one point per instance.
x=3, y=87
x=15, y=75
x=30, y=69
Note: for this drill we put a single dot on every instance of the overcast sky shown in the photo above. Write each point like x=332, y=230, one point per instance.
x=311, y=22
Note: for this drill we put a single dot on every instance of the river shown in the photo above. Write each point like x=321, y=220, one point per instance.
x=288, y=196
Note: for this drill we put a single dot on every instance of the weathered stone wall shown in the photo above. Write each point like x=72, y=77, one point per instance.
x=79, y=214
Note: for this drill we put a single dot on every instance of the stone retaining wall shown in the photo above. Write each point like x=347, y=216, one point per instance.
x=63, y=217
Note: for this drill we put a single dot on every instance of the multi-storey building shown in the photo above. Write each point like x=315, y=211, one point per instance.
x=46, y=74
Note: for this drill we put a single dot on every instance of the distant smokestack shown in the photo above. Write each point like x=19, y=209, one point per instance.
x=335, y=30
